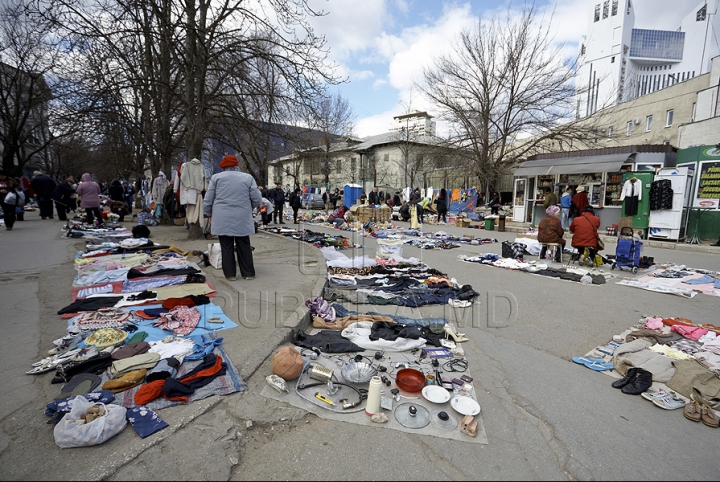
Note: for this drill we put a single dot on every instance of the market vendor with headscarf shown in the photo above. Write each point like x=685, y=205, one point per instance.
x=550, y=231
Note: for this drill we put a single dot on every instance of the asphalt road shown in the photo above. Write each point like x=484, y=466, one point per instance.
x=546, y=418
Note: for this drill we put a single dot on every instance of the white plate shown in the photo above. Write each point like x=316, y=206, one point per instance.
x=435, y=394
x=465, y=405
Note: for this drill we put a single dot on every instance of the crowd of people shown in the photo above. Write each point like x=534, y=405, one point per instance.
x=60, y=197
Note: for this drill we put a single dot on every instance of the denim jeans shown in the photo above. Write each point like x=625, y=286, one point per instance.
x=564, y=218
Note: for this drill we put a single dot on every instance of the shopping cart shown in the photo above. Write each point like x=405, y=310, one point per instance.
x=627, y=253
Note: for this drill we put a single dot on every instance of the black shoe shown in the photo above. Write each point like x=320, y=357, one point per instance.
x=281, y=222
x=640, y=383
x=626, y=379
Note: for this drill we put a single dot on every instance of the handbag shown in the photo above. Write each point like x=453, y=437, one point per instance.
x=600, y=242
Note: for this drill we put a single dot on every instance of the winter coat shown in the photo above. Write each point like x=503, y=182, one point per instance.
x=581, y=200
x=116, y=191
x=190, y=181
x=584, y=229
x=550, y=230
x=276, y=195
x=295, y=201
x=63, y=193
x=550, y=200
x=230, y=199
x=42, y=186
x=441, y=204
x=159, y=186
x=89, y=192
x=373, y=198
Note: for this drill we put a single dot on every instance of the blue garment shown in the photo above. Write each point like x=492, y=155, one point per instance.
x=144, y=420
x=341, y=311
x=566, y=201
x=701, y=281
x=204, y=345
x=65, y=404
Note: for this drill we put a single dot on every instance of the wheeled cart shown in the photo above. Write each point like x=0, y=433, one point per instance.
x=627, y=253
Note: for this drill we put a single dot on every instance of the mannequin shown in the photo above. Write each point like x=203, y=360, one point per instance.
x=631, y=195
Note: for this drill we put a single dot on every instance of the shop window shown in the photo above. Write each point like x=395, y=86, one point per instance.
x=648, y=123
x=629, y=128
x=669, y=118
x=613, y=188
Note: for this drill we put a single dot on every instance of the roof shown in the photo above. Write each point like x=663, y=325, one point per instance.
x=574, y=165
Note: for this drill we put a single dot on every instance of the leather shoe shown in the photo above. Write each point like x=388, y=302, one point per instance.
x=640, y=383
x=626, y=379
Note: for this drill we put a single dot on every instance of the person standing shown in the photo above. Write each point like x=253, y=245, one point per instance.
x=396, y=201
x=495, y=203
x=277, y=196
x=565, y=204
x=128, y=193
x=580, y=200
x=229, y=202
x=295, y=202
x=550, y=230
x=374, y=197
x=325, y=198
x=89, y=192
x=11, y=196
x=550, y=198
x=334, y=198
x=441, y=203
x=43, y=188
x=62, y=197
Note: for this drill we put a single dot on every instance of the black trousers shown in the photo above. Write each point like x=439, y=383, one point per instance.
x=61, y=211
x=229, y=245
x=278, y=213
x=442, y=215
x=46, y=207
x=295, y=211
x=8, y=215
x=93, y=213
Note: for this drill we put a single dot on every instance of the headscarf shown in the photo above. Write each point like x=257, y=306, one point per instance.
x=552, y=210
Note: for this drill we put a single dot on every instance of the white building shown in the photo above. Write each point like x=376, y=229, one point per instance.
x=618, y=62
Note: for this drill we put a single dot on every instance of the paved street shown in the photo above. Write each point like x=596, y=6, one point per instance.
x=546, y=418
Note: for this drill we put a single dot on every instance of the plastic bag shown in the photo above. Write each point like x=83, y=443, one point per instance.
x=215, y=255
x=389, y=248
x=70, y=433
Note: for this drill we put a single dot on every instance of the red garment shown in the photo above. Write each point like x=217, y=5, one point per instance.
x=171, y=303
x=581, y=200
x=201, y=374
x=584, y=229
x=149, y=392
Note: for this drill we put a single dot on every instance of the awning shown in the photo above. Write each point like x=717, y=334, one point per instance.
x=574, y=165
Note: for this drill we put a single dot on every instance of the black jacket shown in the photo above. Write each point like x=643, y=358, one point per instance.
x=441, y=204
x=116, y=191
x=373, y=198
x=62, y=192
x=295, y=201
x=277, y=196
x=42, y=186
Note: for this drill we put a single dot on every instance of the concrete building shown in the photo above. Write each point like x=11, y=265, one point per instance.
x=619, y=62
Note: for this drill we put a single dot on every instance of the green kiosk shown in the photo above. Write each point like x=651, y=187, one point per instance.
x=641, y=219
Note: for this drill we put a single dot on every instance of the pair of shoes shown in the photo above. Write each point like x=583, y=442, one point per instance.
x=8, y=228
x=635, y=382
x=597, y=364
x=281, y=222
x=231, y=278
x=451, y=333
x=708, y=417
x=249, y=277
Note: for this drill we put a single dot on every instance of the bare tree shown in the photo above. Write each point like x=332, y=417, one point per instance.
x=332, y=118
x=505, y=90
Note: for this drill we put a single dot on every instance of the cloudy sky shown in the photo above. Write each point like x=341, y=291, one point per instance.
x=381, y=46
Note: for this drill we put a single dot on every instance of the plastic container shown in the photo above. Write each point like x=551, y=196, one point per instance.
x=489, y=225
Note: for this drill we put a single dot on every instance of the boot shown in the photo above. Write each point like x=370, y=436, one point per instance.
x=641, y=382
x=626, y=379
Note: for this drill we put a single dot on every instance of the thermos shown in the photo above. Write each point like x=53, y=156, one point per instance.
x=373, y=398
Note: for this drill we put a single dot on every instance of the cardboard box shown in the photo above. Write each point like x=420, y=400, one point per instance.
x=462, y=222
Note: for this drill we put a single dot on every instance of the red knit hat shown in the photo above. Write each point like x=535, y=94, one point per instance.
x=228, y=161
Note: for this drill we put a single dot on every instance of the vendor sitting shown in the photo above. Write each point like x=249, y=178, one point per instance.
x=550, y=231
x=337, y=217
x=584, y=229
x=120, y=208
